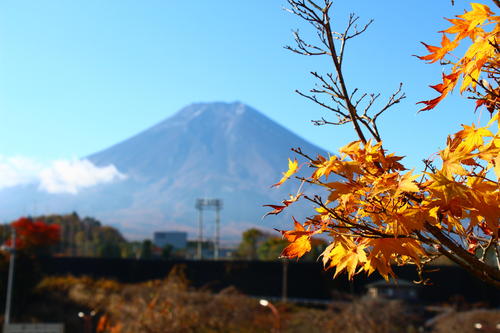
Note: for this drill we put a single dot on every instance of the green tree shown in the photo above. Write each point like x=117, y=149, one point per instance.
x=250, y=242
x=167, y=252
x=271, y=248
x=146, y=249
x=109, y=250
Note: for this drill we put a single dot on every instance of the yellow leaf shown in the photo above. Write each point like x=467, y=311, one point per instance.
x=492, y=120
x=338, y=189
x=326, y=167
x=472, y=137
x=293, y=167
x=477, y=15
x=407, y=184
x=444, y=186
x=452, y=161
x=433, y=212
x=383, y=267
x=344, y=257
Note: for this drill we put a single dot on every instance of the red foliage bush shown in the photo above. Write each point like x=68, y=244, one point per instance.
x=33, y=236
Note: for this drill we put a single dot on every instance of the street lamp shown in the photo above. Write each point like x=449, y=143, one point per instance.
x=277, y=321
x=87, y=320
x=10, y=281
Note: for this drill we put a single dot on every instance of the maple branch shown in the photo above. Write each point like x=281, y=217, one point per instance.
x=373, y=130
x=497, y=255
x=338, y=67
x=497, y=2
x=373, y=233
x=480, y=268
x=315, y=100
x=372, y=100
x=319, y=17
x=468, y=268
x=323, y=121
x=299, y=151
x=374, y=199
x=394, y=99
x=487, y=248
x=345, y=36
x=305, y=48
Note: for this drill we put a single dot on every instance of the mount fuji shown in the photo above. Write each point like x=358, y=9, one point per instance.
x=215, y=150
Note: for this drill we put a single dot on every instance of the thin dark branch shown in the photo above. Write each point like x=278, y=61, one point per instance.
x=395, y=98
x=315, y=100
x=299, y=151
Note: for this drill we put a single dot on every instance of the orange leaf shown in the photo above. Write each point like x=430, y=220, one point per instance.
x=299, y=241
x=438, y=53
x=279, y=208
x=298, y=248
x=444, y=88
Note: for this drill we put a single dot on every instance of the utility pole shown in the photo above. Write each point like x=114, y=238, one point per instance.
x=284, y=285
x=10, y=281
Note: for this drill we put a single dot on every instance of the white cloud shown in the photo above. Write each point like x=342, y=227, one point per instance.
x=18, y=170
x=65, y=176
x=61, y=176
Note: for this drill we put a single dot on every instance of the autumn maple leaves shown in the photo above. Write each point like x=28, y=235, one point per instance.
x=377, y=213
x=481, y=26
x=368, y=203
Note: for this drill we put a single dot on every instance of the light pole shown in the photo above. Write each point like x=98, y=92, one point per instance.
x=10, y=281
x=87, y=320
x=277, y=320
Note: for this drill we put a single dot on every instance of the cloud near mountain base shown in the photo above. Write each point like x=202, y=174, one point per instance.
x=71, y=176
x=18, y=170
x=61, y=176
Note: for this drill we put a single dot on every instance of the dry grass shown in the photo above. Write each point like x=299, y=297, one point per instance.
x=464, y=321
x=171, y=306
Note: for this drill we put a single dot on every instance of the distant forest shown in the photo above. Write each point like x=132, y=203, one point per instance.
x=88, y=237
x=84, y=237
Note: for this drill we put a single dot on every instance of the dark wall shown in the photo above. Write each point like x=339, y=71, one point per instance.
x=260, y=278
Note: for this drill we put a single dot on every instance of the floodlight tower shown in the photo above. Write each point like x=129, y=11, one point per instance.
x=217, y=204
x=201, y=204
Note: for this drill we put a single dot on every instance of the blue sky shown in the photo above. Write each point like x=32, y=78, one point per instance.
x=79, y=76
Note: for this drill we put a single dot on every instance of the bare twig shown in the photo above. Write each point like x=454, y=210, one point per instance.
x=336, y=89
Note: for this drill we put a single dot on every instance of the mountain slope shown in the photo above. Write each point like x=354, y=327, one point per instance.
x=220, y=150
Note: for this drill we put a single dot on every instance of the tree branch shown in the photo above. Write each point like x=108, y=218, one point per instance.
x=473, y=262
